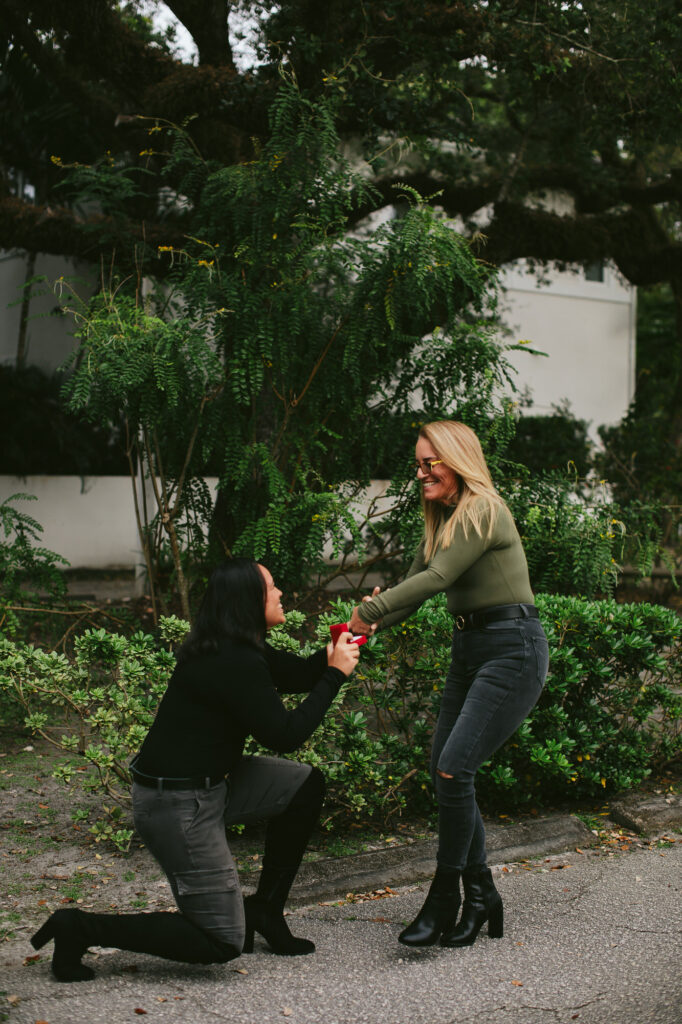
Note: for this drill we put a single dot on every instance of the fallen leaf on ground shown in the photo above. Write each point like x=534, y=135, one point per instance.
x=13, y=1000
x=518, y=983
x=138, y=1009
x=287, y=1011
x=240, y=970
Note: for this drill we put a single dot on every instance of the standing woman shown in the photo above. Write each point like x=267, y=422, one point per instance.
x=471, y=550
x=191, y=779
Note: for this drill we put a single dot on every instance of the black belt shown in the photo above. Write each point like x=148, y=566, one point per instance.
x=161, y=782
x=474, y=620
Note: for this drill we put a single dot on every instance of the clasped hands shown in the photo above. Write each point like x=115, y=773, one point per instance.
x=356, y=624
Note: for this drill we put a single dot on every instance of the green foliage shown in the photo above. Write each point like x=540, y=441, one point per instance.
x=41, y=436
x=274, y=331
x=577, y=539
x=545, y=444
x=609, y=713
x=97, y=706
x=611, y=707
x=641, y=454
x=24, y=567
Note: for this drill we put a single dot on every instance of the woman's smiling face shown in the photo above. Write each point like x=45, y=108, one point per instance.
x=439, y=483
x=274, y=613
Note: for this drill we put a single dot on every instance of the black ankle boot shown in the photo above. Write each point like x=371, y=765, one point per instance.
x=264, y=913
x=70, y=942
x=438, y=913
x=163, y=934
x=482, y=902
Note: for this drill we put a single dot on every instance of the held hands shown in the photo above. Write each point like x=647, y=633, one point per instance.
x=356, y=623
x=343, y=655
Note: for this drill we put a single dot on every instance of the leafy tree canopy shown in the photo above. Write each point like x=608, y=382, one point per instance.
x=491, y=108
x=493, y=103
x=497, y=106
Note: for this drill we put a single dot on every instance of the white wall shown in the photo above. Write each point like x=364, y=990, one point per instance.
x=587, y=329
x=90, y=522
x=49, y=338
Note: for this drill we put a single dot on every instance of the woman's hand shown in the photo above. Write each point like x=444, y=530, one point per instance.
x=356, y=624
x=343, y=655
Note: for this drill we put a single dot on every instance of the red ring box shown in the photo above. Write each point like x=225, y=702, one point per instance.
x=342, y=627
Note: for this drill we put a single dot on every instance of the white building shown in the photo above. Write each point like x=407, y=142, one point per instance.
x=583, y=320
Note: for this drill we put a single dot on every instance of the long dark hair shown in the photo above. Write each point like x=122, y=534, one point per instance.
x=233, y=608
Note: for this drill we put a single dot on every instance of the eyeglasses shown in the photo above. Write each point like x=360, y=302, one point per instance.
x=426, y=465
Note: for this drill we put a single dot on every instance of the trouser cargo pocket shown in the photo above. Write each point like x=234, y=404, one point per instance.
x=211, y=880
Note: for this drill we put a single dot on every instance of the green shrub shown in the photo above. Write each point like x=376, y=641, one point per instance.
x=611, y=708
x=548, y=443
x=24, y=566
x=609, y=713
x=41, y=436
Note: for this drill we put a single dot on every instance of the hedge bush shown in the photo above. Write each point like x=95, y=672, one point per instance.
x=609, y=714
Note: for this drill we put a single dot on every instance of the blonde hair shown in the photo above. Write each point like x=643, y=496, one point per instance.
x=459, y=448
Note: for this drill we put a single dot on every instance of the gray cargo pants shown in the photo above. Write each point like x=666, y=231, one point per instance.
x=184, y=830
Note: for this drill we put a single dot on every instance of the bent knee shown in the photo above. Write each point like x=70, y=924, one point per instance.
x=311, y=791
x=227, y=952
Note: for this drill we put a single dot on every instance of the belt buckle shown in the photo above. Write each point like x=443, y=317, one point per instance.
x=460, y=622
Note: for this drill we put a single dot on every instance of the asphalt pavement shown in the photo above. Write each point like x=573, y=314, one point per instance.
x=592, y=936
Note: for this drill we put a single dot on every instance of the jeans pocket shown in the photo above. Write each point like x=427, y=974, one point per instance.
x=186, y=807
x=542, y=657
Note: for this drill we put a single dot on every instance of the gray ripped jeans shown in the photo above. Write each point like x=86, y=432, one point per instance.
x=184, y=830
x=496, y=676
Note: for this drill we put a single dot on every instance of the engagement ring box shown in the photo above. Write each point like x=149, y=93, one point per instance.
x=342, y=627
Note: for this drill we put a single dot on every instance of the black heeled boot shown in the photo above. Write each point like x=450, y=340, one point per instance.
x=170, y=936
x=439, y=912
x=70, y=942
x=286, y=839
x=482, y=902
x=264, y=913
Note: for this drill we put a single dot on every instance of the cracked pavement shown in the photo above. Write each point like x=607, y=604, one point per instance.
x=589, y=937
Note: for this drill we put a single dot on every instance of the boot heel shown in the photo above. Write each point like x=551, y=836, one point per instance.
x=496, y=921
x=43, y=935
x=248, y=942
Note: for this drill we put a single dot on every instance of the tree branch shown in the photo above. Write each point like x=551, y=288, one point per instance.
x=207, y=23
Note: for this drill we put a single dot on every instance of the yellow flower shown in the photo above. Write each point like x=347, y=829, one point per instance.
x=56, y=160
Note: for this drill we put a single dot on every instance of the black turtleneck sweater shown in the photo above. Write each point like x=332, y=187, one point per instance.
x=214, y=702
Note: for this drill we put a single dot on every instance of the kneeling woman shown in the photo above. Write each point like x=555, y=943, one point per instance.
x=191, y=779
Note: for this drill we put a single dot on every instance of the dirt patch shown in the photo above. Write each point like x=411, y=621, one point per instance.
x=49, y=860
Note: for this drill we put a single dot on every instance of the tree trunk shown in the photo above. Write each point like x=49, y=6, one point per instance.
x=25, y=306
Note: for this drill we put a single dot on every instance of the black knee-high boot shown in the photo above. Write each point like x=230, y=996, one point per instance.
x=439, y=912
x=482, y=902
x=163, y=934
x=285, y=843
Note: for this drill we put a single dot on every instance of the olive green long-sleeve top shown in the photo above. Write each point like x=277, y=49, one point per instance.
x=474, y=571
